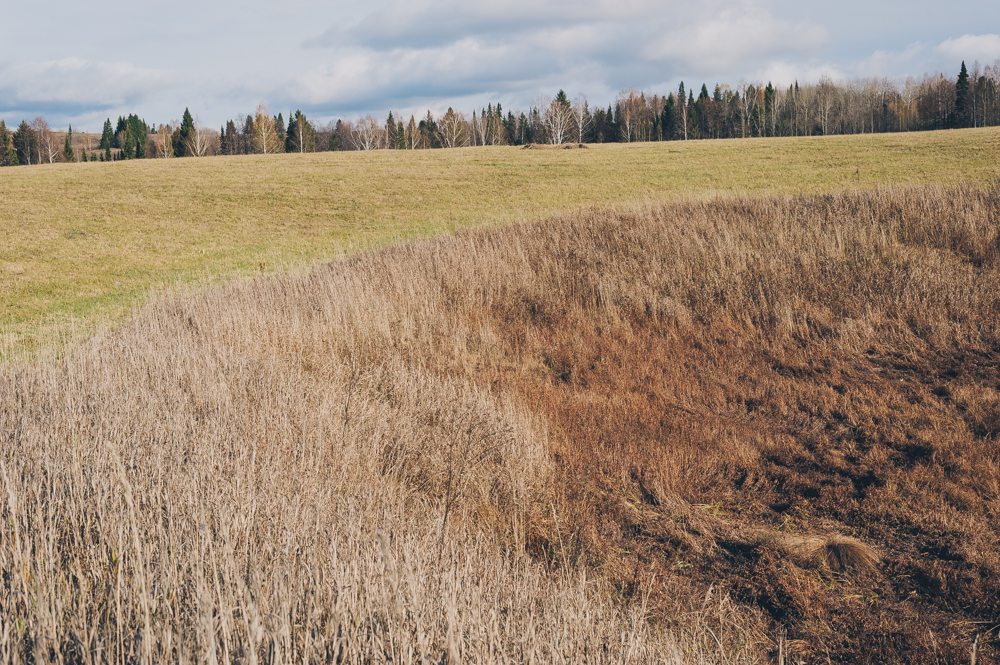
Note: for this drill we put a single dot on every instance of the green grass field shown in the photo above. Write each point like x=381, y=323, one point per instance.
x=84, y=243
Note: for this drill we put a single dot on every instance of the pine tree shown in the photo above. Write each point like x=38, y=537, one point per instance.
x=181, y=147
x=126, y=142
x=961, y=96
x=107, y=136
x=279, y=130
x=140, y=132
x=4, y=143
x=25, y=143
x=668, y=120
x=116, y=141
x=68, y=146
x=390, y=131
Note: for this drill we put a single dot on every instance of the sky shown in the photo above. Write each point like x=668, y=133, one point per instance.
x=81, y=62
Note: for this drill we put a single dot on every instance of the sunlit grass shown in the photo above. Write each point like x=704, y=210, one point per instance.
x=86, y=242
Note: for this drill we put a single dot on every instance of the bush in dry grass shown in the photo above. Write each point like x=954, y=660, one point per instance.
x=747, y=400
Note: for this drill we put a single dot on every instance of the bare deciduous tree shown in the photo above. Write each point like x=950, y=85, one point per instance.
x=368, y=134
x=48, y=146
x=453, y=129
x=412, y=135
x=557, y=118
x=581, y=116
x=634, y=116
x=200, y=139
x=164, y=143
x=265, y=134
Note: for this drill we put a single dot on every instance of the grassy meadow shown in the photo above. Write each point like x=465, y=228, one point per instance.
x=87, y=242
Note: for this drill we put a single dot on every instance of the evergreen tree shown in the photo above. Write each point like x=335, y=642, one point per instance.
x=25, y=143
x=610, y=126
x=107, y=136
x=668, y=119
x=126, y=142
x=139, y=132
x=961, y=96
x=68, y=146
x=83, y=155
x=246, y=143
x=298, y=124
x=390, y=131
x=116, y=139
x=279, y=130
x=4, y=143
x=232, y=138
x=181, y=147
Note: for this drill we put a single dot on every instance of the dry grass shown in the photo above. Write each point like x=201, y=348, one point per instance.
x=428, y=450
x=86, y=242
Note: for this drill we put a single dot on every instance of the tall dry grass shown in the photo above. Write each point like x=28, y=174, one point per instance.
x=719, y=432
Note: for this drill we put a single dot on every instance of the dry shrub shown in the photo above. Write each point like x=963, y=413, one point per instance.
x=430, y=449
x=839, y=553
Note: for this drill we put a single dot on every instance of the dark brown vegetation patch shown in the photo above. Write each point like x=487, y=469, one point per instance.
x=794, y=400
x=549, y=146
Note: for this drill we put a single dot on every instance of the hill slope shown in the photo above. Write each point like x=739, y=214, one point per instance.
x=88, y=241
x=769, y=423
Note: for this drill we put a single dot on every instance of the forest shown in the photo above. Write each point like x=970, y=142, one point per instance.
x=872, y=105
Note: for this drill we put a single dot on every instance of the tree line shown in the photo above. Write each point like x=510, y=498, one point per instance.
x=873, y=105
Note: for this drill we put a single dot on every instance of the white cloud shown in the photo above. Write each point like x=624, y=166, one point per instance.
x=734, y=38
x=984, y=48
x=75, y=81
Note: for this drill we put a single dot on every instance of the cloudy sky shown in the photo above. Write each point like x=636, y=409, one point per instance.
x=81, y=62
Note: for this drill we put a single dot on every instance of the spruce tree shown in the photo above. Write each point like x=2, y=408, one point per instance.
x=668, y=120
x=68, y=146
x=25, y=143
x=116, y=140
x=4, y=142
x=279, y=130
x=961, y=96
x=139, y=131
x=181, y=148
x=126, y=142
x=107, y=136
x=390, y=130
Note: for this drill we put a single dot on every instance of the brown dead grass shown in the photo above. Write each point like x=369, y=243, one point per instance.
x=757, y=425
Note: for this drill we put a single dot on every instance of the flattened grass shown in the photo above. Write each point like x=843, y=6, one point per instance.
x=86, y=242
